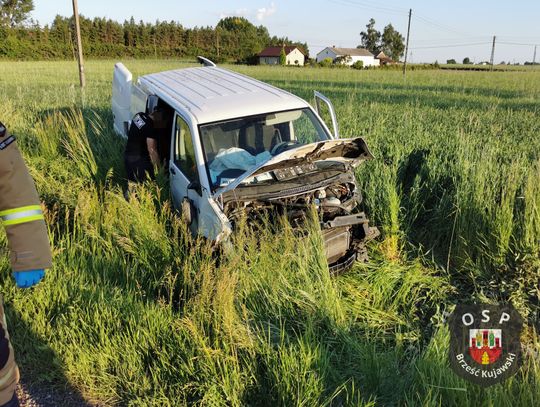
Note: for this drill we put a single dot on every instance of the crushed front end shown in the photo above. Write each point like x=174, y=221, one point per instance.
x=328, y=186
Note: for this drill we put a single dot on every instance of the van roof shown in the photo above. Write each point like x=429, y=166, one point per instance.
x=212, y=94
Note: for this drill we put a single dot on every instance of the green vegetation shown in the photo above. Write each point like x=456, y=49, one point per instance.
x=358, y=65
x=134, y=312
x=282, y=57
x=233, y=39
x=390, y=41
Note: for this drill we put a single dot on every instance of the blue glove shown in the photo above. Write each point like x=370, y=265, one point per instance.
x=27, y=279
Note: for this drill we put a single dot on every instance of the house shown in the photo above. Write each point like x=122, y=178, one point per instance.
x=383, y=58
x=355, y=54
x=271, y=55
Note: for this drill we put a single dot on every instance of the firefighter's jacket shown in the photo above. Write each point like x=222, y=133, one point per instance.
x=20, y=210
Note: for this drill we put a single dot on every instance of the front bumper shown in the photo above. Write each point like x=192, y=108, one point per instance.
x=344, y=240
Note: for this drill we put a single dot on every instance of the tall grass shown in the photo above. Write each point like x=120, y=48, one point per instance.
x=137, y=312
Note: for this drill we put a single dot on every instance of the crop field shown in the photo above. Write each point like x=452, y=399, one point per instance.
x=135, y=312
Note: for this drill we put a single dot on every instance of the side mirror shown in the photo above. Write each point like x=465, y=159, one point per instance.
x=187, y=211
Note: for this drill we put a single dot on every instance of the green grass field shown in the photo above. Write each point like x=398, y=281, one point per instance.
x=136, y=313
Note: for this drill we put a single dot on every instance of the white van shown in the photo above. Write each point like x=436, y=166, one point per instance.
x=241, y=147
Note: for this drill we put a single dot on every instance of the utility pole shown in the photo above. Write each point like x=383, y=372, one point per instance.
x=407, y=44
x=534, y=55
x=217, y=41
x=492, y=53
x=79, y=43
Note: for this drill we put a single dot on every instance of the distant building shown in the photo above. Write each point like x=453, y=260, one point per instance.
x=355, y=54
x=271, y=55
x=383, y=58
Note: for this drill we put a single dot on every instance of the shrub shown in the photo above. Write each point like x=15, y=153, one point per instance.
x=358, y=65
x=326, y=63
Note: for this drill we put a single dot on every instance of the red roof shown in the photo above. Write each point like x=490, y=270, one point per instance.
x=276, y=51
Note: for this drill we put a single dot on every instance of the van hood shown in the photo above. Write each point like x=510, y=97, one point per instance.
x=352, y=151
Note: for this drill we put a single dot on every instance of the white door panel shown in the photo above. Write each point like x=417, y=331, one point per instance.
x=186, y=169
x=320, y=102
x=121, y=98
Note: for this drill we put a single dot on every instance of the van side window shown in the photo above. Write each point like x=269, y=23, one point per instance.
x=184, y=155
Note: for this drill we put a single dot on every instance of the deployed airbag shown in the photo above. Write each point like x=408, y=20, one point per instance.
x=234, y=158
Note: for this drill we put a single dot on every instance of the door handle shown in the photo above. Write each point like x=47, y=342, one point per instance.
x=172, y=171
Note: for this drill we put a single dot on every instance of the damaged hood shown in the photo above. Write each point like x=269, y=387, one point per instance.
x=353, y=151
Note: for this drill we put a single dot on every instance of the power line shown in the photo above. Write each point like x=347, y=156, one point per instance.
x=452, y=40
x=453, y=45
x=440, y=26
x=520, y=37
x=517, y=43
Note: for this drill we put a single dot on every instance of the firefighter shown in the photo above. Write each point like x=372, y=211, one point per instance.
x=145, y=146
x=28, y=244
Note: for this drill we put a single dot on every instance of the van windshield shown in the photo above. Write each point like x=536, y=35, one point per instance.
x=233, y=147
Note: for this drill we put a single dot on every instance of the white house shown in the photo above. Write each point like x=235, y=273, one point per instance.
x=270, y=56
x=355, y=54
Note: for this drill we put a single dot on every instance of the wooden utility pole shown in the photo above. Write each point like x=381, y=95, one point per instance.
x=534, y=55
x=407, y=43
x=217, y=41
x=79, y=43
x=492, y=53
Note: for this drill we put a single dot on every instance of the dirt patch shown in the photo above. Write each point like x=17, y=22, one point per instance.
x=42, y=396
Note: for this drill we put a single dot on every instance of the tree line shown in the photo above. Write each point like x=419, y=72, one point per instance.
x=232, y=39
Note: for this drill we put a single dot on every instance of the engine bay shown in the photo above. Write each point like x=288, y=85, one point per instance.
x=343, y=226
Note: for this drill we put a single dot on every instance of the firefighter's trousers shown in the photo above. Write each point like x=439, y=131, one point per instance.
x=9, y=373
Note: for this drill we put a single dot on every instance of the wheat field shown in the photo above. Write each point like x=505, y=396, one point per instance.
x=135, y=312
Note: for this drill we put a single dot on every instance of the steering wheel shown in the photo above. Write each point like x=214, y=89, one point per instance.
x=283, y=146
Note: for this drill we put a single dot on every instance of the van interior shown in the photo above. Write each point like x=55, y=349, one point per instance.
x=164, y=143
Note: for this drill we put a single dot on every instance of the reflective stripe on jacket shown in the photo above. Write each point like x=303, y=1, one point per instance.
x=20, y=211
x=21, y=215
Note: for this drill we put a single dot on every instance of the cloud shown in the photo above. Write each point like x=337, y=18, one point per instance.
x=260, y=14
x=241, y=12
x=264, y=12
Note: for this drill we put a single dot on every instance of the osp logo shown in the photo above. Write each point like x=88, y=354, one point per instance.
x=484, y=342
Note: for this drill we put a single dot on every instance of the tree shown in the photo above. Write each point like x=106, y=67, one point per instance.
x=15, y=12
x=392, y=43
x=282, y=57
x=343, y=60
x=451, y=61
x=370, y=37
x=466, y=61
x=245, y=39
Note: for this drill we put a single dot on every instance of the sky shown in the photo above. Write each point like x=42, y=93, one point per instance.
x=440, y=30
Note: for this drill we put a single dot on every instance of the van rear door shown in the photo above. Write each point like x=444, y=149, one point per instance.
x=121, y=98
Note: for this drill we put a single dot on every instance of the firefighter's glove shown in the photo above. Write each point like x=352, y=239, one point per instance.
x=27, y=279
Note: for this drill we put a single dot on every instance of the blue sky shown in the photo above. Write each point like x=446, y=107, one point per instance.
x=439, y=30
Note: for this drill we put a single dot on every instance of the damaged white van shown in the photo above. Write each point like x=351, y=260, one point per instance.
x=241, y=147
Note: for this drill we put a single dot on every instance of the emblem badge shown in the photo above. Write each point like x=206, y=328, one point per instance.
x=484, y=342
